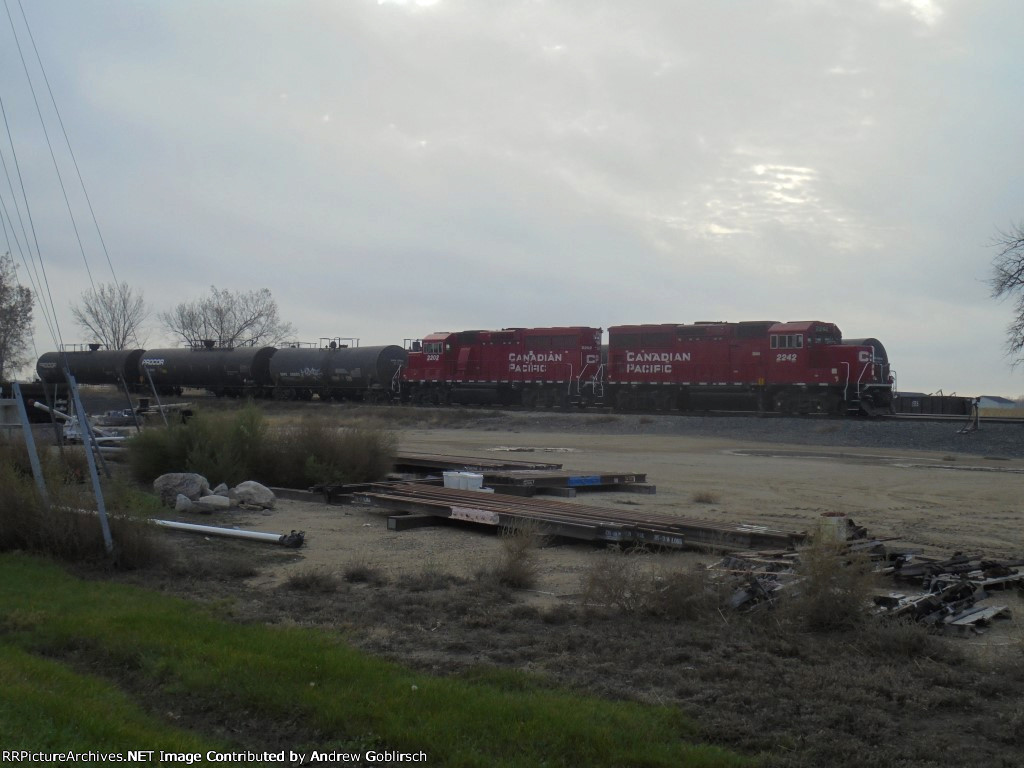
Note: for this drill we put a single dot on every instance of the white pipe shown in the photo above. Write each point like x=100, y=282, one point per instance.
x=293, y=539
x=54, y=411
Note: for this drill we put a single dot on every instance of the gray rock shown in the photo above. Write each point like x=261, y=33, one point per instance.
x=183, y=503
x=213, y=502
x=251, y=492
x=186, y=483
x=221, y=490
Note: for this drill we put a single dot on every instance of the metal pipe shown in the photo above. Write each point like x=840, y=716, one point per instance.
x=51, y=411
x=293, y=539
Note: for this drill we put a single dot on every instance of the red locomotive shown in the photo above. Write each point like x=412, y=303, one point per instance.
x=527, y=366
x=800, y=367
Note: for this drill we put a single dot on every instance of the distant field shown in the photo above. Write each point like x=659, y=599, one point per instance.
x=1002, y=413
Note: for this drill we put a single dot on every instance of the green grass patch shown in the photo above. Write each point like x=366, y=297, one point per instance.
x=488, y=718
x=46, y=706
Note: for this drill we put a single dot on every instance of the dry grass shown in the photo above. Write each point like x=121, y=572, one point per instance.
x=705, y=497
x=631, y=581
x=314, y=580
x=833, y=590
x=361, y=570
x=67, y=528
x=517, y=566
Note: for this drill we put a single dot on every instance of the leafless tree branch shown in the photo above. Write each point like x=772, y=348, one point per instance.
x=1007, y=281
x=112, y=314
x=229, y=319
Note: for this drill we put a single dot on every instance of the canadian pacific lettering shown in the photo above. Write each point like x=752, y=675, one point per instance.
x=654, y=362
x=532, y=362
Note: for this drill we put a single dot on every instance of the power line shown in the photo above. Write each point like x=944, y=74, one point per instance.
x=67, y=141
x=55, y=331
x=49, y=144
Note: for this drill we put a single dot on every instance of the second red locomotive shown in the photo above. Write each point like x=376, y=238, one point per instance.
x=796, y=367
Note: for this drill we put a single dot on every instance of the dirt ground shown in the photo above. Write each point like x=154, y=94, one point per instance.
x=869, y=698
x=939, y=503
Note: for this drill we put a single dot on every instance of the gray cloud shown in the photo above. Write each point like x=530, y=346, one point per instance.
x=392, y=169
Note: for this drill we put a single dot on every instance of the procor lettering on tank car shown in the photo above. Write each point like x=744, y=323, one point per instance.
x=92, y=366
x=224, y=371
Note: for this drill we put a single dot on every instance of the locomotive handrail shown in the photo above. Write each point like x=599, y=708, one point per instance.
x=846, y=384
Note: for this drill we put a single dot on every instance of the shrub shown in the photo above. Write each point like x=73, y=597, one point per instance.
x=833, y=590
x=618, y=580
x=705, y=497
x=516, y=566
x=362, y=571
x=232, y=447
x=63, y=530
x=621, y=581
x=314, y=452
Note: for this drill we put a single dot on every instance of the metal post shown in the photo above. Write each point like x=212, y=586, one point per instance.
x=30, y=444
x=128, y=397
x=156, y=394
x=83, y=423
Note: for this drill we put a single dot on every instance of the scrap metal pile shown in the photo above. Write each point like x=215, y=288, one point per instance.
x=946, y=595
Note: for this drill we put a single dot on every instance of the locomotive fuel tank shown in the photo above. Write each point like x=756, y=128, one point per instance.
x=96, y=366
x=223, y=371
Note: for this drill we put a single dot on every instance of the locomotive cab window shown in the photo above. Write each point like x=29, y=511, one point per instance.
x=433, y=347
x=787, y=341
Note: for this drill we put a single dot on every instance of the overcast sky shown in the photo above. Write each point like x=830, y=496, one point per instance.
x=390, y=169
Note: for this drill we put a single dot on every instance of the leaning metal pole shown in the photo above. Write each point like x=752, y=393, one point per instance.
x=89, y=440
x=30, y=444
x=155, y=394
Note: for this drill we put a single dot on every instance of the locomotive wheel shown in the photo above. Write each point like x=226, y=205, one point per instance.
x=529, y=398
x=836, y=405
x=662, y=401
x=784, y=404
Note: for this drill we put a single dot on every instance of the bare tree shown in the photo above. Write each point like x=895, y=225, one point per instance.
x=229, y=319
x=1008, y=281
x=15, y=318
x=113, y=314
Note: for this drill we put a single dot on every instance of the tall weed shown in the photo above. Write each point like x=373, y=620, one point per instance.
x=62, y=528
x=232, y=447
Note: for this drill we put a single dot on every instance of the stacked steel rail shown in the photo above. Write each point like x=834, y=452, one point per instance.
x=577, y=521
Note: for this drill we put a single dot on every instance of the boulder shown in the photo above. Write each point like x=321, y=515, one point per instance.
x=183, y=503
x=251, y=492
x=213, y=503
x=221, y=490
x=186, y=483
